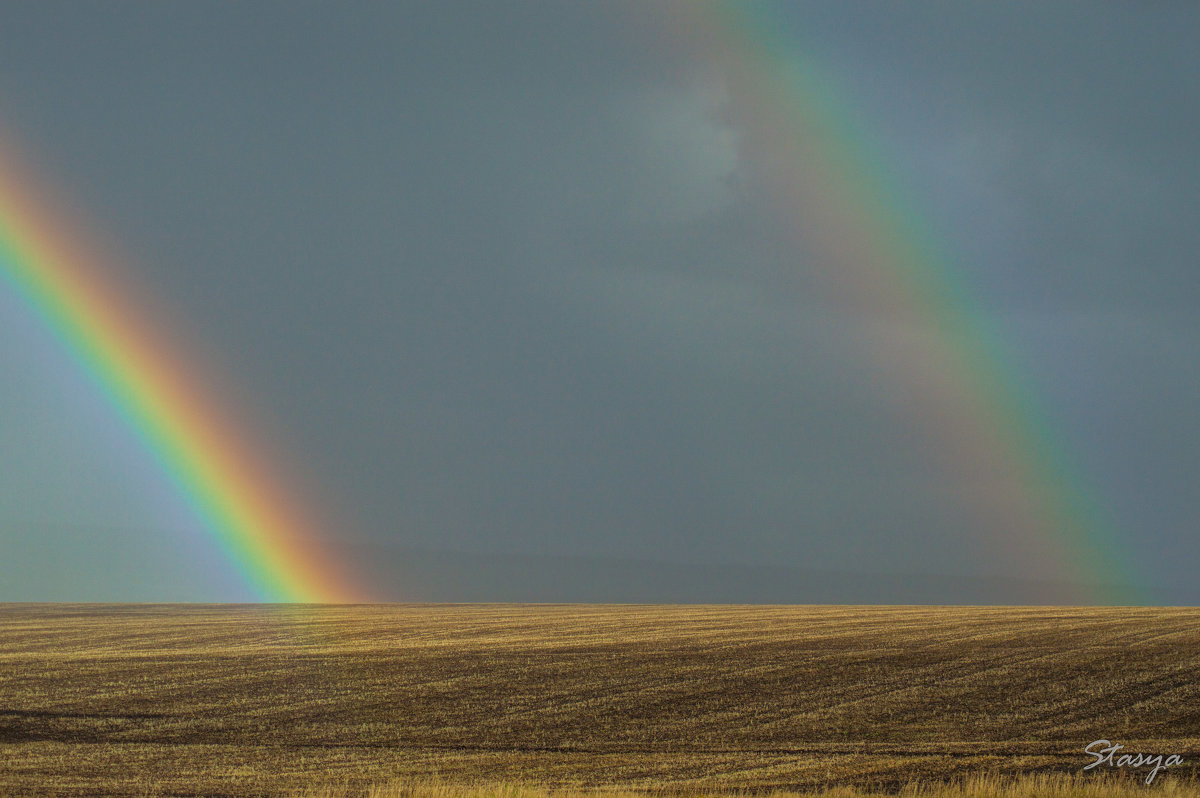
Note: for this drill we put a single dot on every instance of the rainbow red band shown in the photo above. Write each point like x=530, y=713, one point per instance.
x=255, y=523
x=981, y=414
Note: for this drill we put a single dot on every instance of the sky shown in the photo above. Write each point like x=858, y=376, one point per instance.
x=522, y=300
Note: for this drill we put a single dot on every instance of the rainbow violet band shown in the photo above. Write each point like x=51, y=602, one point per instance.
x=258, y=526
x=1001, y=458
x=982, y=416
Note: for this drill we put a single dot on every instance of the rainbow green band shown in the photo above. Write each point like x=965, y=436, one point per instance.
x=982, y=414
x=878, y=254
x=257, y=525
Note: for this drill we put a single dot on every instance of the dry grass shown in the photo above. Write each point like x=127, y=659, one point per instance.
x=236, y=701
x=1036, y=786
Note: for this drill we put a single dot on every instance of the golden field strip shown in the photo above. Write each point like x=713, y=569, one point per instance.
x=1033, y=786
x=285, y=700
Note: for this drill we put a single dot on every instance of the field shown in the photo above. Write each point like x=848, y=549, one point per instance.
x=284, y=700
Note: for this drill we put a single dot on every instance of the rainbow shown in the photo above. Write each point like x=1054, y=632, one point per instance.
x=877, y=254
x=258, y=526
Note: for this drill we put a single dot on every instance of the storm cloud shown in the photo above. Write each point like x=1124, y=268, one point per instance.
x=505, y=289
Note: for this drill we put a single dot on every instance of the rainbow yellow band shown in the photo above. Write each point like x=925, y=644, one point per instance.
x=251, y=518
x=876, y=253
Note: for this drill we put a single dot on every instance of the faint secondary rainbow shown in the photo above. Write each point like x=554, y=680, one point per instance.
x=258, y=526
x=879, y=254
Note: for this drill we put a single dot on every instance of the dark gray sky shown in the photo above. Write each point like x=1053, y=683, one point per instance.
x=504, y=282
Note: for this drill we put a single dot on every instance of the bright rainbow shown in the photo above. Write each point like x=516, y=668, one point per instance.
x=258, y=526
x=878, y=254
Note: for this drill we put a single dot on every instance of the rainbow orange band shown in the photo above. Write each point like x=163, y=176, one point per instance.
x=876, y=252
x=256, y=524
x=983, y=416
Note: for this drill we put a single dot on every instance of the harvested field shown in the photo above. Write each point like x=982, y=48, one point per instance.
x=279, y=700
